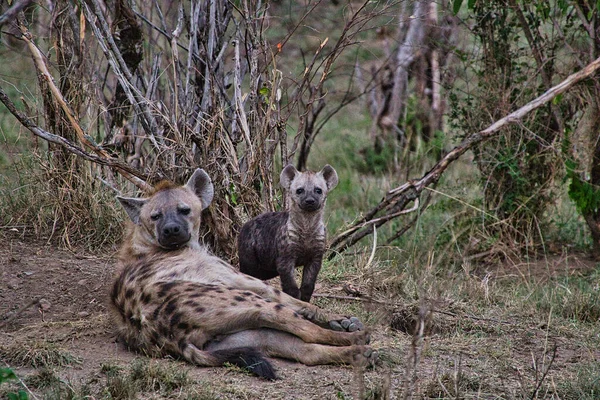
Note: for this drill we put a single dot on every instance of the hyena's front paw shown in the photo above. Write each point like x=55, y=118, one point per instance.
x=351, y=324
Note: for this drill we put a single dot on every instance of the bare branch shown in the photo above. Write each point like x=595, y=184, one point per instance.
x=110, y=49
x=127, y=171
x=12, y=12
x=398, y=198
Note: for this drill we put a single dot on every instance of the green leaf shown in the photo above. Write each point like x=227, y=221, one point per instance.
x=471, y=4
x=18, y=396
x=265, y=91
x=557, y=99
x=564, y=4
x=456, y=6
x=6, y=374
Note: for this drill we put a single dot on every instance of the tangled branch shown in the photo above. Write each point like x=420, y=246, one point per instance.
x=396, y=200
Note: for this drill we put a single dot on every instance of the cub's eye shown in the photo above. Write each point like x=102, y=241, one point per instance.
x=155, y=217
x=299, y=191
x=185, y=211
x=318, y=190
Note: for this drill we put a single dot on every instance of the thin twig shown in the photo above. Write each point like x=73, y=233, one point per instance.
x=12, y=12
x=7, y=318
x=23, y=384
x=361, y=299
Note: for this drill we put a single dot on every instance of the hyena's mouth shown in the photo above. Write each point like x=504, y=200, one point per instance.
x=174, y=243
x=310, y=206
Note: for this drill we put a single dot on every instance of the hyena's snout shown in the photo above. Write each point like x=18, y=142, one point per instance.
x=173, y=233
x=310, y=203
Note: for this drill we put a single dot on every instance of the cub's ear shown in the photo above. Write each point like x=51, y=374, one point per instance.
x=133, y=207
x=201, y=184
x=330, y=176
x=287, y=176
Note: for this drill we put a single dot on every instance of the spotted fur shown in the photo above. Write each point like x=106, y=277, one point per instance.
x=171, y=296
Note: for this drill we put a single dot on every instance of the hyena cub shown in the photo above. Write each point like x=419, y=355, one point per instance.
x=276, y=243
x=171, y=296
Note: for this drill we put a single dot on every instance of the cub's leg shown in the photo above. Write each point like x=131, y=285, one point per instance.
x=286, y=270
x=309, y=278
x=284, y=345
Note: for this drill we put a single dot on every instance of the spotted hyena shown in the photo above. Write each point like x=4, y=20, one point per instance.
x=276, y=243
x=171, y=296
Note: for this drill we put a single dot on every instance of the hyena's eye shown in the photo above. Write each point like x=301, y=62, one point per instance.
x=318, y=191
x=185, y=211
x=299, y=191
x=155, y=217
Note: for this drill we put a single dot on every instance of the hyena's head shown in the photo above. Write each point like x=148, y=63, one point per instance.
x=170, y=218
x=308, y=190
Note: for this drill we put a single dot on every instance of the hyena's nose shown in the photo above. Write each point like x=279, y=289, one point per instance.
x=173, y=235
x=310, y=201
x=171, y=230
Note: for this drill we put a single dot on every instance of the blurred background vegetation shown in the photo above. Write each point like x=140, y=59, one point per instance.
x=381, y=90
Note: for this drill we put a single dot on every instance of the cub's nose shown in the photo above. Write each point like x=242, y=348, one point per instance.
x=310, y=201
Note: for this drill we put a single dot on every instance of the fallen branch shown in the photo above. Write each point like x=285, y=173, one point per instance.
x=398, y=198
x=361, y=299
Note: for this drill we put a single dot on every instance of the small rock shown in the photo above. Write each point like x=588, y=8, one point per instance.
x=13, y=284
x=44, y=304
x=83, y=314
x=82, y=282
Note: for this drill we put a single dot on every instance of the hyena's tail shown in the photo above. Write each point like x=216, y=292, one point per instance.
x=247, y=358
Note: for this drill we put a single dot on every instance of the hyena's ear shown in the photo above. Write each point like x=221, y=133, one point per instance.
x=201, y=184
x=330, y=176
x=287, y=176
x=133, y=207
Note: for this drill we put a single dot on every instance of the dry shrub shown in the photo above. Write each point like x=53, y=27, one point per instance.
x=67, y=207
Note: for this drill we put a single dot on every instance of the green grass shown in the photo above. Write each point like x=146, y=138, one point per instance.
x=585, y=385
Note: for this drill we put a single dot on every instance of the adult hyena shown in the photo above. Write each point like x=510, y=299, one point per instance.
x=172, y=296
x=276, y=243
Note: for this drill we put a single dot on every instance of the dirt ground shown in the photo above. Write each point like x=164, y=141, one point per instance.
x=71, y=313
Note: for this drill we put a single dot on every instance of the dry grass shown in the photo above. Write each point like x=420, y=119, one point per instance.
x=37, y=354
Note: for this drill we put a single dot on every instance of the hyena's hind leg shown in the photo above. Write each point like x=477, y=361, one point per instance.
x=284, y=345
x=309, y=311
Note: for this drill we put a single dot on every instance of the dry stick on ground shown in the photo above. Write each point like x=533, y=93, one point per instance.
x=367, y=299
x=396, y=199
x=33, y=396
x=32, y=303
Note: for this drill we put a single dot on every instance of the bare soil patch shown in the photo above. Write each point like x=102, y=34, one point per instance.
x=494, y=353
